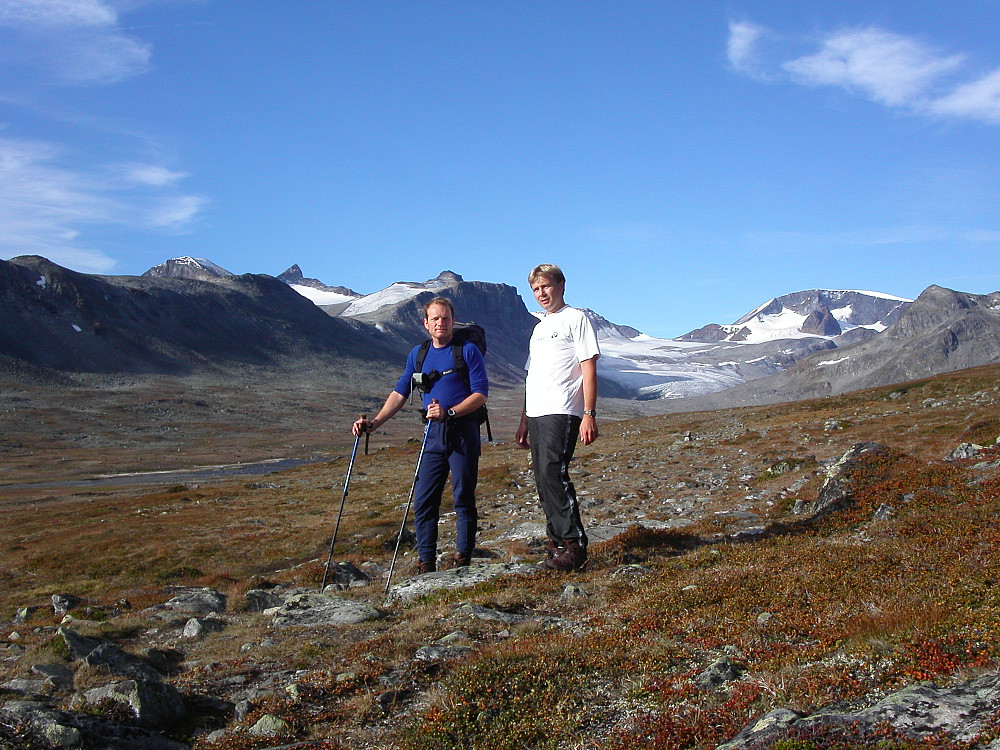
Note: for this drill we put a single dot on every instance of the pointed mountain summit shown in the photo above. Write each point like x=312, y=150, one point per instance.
x=332, y=299
x=293, y=277
x=187, y=267
x=821, y=323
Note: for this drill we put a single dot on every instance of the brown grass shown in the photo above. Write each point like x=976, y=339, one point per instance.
x=811, y=615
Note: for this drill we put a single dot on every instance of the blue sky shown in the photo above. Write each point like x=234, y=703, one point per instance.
x=683, y=160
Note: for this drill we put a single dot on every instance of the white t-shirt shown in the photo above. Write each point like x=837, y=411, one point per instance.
x=560, y=342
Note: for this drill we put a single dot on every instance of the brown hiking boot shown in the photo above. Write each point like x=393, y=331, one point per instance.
x=551, y=550
x=420, y=567
x=457, y=560
x=571, y=557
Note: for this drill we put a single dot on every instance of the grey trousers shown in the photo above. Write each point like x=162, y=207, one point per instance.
x=553, y=440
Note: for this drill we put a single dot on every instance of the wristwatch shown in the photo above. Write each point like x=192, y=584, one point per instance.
x=451, y=414
x=590, y=413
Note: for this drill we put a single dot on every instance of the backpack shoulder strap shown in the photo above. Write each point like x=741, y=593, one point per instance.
x=459, y=360
x=422, y=354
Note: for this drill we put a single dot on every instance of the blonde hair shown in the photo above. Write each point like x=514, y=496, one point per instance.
x=549, y=270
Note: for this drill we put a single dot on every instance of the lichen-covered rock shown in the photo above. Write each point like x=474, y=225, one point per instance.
x=918, y=711
x=312, y=609
x=836, y=491
x=153, y=704
x=260, y=599
x=964, y=451
x=54, y=727
x=197, y=601
x=199, y=626
x=270, y=725
x=78, y=646
x=457, y=578
x=120, y=663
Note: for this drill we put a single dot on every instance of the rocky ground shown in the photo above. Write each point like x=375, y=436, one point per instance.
x=191, y=614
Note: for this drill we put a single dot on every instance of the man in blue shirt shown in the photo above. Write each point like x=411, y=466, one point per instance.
x=450, y=401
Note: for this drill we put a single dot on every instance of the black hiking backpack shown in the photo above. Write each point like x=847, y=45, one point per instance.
x=471, y=332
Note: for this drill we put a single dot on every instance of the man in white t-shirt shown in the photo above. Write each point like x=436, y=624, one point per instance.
x=560, y=406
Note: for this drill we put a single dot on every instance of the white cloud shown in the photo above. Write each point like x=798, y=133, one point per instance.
x=978, y=100
x=46, y=207
x=744, y=47
x=102, y=58
x=176, y=213
x=888, y=68
x=152, y=174
x=74, y=41
x=56, y=13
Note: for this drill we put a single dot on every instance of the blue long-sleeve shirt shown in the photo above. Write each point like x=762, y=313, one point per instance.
x=450, y=389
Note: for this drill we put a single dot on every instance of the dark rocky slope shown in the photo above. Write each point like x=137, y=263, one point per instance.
x=51, y=317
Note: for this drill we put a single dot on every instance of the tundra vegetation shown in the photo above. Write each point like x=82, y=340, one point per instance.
x=723, y=597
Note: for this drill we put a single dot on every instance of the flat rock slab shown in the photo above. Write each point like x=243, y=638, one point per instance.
x=457, y=578
x=312, y=609
x=919, y=711
x=197, y=601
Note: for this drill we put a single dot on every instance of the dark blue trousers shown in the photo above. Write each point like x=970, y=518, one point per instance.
x=451, y=447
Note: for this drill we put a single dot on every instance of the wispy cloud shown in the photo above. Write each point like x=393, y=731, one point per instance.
x=864, y=240
x=979, y=99
x=56, y=13
x=151, y=174
x=47, y=206
x=176, y=213
x=888, y=68
x=744, y=48
x=73, y=41
x=56, y=200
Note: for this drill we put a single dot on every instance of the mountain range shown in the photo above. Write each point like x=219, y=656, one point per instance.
x=188, y=314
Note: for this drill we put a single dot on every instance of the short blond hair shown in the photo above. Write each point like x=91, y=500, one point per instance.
x=549, y=270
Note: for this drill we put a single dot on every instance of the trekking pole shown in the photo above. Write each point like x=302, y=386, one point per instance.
x=406, y=512
x=347, y=481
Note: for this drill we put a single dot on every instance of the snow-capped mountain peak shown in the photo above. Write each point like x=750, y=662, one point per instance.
x=399, y=292
x=315, y=290
x=814, y=312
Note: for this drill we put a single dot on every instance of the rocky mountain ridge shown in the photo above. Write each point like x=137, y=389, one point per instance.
x=58, y=319
x=941, y=331
x=168, y=321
